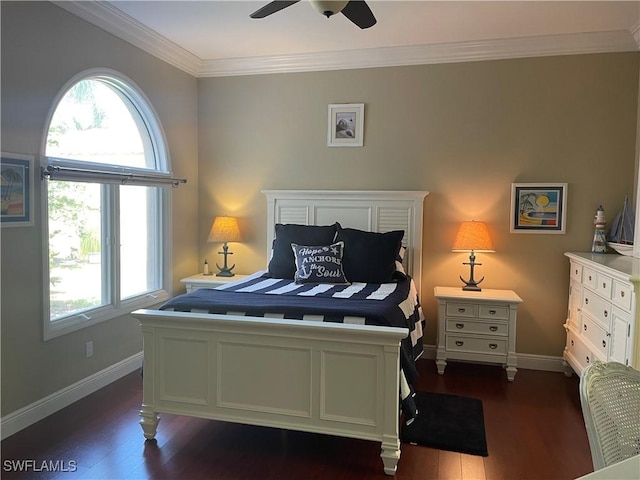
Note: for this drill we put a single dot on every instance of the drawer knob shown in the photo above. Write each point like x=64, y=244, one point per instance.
x=606, y=314
x=493, y=328
x=460, y=325
x=585, y=327
x=604, y=284
x=572, y=343
x=588, y=359
x=459, y=343
x=492, y=312
x=586, y=301
x=493, y=346
x=604, y=344
x=461, y=310
x=622, y=294
x=589, y=277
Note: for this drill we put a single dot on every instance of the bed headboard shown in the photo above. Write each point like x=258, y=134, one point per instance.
x=372, y=211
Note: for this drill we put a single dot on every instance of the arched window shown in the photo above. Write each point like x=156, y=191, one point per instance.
x=106, y=177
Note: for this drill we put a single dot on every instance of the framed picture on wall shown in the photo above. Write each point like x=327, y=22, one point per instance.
x=538, y=207
x=16, y=190
x=346, y=125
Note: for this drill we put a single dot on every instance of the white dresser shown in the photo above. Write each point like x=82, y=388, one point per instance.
x=602, y=314
x=477, y=327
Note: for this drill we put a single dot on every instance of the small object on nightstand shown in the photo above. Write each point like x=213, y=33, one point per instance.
x=206, y=268
x=472, y=237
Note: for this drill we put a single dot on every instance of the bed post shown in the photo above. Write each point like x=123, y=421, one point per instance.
x=390, y=453
x=149, y=419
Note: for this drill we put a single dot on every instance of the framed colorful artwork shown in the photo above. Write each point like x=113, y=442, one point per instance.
x=538, y=207
x=346, y=125
x=16, y=190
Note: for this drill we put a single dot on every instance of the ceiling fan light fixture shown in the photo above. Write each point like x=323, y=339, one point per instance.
x=328, y=7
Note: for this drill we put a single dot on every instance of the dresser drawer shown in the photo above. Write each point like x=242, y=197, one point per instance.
x=499, y=312
x=461, y=343
x=595, y=335
x=621, y=294
x=589, y=277
x=597, y=307
x=467, y=310
x=476, y=326
x=576, y=272
x=579, y=351
x=603, y=285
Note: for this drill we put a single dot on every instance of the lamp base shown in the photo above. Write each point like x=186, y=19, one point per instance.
x=225, y=273
x=471, y=284
x=472, y=287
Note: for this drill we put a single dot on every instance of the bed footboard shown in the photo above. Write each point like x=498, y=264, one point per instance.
x=329, y=378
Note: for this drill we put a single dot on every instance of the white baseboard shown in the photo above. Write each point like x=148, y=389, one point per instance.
x=26, y=416
x=526, y=361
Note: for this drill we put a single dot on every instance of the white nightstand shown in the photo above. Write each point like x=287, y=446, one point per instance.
x=201, y=280
x=477, y=327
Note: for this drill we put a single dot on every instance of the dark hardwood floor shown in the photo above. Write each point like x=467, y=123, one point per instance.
x=534, y=431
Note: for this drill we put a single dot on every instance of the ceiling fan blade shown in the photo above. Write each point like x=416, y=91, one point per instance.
x=271, y=7
x=359, y=13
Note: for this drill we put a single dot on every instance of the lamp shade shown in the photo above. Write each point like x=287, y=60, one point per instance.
x=473, y=236
x=224, y=229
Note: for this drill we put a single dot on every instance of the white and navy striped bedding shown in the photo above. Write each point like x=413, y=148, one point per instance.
x=389, y=304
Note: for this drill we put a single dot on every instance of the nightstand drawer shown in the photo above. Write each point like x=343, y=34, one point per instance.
x=466, y=310
x=461, y=343
x=476, y=326
x=499, y=312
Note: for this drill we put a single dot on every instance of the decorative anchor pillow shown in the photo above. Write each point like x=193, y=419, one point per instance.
x=319, y=264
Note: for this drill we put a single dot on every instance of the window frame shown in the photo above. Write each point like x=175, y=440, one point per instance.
x=115, y=306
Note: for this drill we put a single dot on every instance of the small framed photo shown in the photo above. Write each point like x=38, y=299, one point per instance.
x=346, y=125
x=538, y=207
x=16, y=190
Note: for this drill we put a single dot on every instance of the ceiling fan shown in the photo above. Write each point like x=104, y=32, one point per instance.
x=355, y=10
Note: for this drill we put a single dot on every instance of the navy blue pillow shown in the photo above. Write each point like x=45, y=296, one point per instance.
x=319, y=264
x=282, y=263
x=370, y=257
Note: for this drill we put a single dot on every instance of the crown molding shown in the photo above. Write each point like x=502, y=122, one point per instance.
x=549, y=45
x=109, y=18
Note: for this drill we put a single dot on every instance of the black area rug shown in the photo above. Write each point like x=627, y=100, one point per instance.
x=448, y=422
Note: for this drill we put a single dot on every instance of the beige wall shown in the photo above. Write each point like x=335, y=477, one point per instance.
x=464, y=132
x=42, y=48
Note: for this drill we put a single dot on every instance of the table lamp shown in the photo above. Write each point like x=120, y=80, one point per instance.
x=224, y=229
x=472, y=237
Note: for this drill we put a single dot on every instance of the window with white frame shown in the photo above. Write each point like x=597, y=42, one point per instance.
x=106, y=182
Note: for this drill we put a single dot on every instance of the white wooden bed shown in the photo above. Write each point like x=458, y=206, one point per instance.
x=331, y=378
